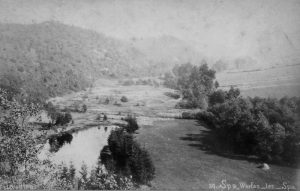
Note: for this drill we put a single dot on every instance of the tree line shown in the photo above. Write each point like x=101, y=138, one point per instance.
x=265, y=127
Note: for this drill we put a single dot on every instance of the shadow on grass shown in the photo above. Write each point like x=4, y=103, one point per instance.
x=206, y=141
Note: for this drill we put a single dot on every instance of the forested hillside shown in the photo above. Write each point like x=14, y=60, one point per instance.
x=48, y=59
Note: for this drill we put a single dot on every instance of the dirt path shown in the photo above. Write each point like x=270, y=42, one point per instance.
x=183, y=162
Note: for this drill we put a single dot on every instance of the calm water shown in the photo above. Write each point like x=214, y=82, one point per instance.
x=85, y=147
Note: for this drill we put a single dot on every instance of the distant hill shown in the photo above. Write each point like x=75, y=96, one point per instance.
x=166, y=51
x=48, y=59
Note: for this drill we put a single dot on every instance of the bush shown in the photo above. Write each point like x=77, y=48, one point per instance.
x=104, y=117
x=84, y=108
x=63, y=118
x=124, y=99
x=132, y=125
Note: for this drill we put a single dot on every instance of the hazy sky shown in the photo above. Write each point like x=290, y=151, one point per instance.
x=266, y=30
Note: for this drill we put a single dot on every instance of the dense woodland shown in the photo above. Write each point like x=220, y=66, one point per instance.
x=42, y=60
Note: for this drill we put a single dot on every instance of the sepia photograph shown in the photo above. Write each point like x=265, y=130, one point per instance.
x=150, y=95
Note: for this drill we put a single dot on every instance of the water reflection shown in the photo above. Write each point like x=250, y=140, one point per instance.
x=84, y=147
x=56, y=142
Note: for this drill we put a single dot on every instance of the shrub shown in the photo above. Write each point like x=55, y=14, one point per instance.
x=132, y=125
x=124, y=99
x=117, y=104
x=105, y=117
x=63, y=118
x=84, y=108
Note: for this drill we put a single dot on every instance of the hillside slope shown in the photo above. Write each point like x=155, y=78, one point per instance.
x=166, y=51
x=50, y=58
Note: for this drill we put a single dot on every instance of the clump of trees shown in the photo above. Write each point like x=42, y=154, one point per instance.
x=265, y=127
x=220, y=96
x=124, y=99
x=63, y=118
x=194, y=82
x=132, y=124
x=57, y=117
x=125, y=156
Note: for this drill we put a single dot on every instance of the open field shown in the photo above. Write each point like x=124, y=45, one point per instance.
x=183, y=160
x=145, y=102
x=274, y=82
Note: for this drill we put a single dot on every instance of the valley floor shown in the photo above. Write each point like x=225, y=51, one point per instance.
x=178, y=148
x=184, y=162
